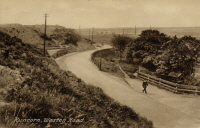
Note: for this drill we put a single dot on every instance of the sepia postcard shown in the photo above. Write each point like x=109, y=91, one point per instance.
x=99, y=64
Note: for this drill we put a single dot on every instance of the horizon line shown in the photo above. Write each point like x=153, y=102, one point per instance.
x=98, y=27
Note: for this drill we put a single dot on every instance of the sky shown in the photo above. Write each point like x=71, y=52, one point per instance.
x=102, y=13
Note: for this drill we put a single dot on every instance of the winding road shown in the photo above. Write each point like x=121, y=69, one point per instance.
x=165, y=109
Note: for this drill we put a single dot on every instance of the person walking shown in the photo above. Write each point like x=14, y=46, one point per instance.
x=144, y=85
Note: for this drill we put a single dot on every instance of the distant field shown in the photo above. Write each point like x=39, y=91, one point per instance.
x=104, y=35
x=105, y=39
x=192, y=31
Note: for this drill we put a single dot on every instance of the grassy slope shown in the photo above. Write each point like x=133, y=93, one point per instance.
x=27, y=34
x=31, y=34
x=49, y=92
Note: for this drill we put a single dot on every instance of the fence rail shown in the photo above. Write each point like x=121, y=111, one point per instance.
x=174, y=87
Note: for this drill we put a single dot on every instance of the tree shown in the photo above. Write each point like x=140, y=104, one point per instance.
x=72, y=38
x=179, y=55
x=148, y=43
x=119, y=42
x=69, y=36
x=151, y=41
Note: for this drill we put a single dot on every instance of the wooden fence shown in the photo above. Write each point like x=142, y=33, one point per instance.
x=174, y=87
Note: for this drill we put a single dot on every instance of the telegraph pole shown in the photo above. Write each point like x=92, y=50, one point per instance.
x=92, y=33
x=80, y=29
x=89, y=34
x=45, y=33
x=135, y=29
x=150, y=26
x=123, y=32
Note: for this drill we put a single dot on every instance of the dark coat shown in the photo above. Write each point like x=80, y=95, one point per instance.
x=145, y=84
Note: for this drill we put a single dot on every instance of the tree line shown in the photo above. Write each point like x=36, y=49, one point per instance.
x=160, y=53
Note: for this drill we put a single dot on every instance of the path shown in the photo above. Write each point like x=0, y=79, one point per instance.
x=188, y=104
x=161, y=108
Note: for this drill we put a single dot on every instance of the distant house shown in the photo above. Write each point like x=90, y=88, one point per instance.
x=197, y=76
x=172, y=77
x=198, y=60
x=174, y=74
x=197, y=70
x=106, y=32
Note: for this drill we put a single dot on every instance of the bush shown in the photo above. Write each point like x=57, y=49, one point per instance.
x=60, y=53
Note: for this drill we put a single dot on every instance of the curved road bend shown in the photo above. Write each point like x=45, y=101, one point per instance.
x=154, y=106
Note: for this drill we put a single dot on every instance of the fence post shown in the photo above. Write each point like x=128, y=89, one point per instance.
x=159, y=82
x=176, y=88
x=196, y=91
x=138, y=76
x=100, y=65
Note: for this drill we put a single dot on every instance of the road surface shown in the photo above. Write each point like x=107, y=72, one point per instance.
x=165, y=109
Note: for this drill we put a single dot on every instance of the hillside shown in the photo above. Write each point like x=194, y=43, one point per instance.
x=70, y=41
x=29, y=35
x=46, y=93
x=34, y=34
x=50, y=28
